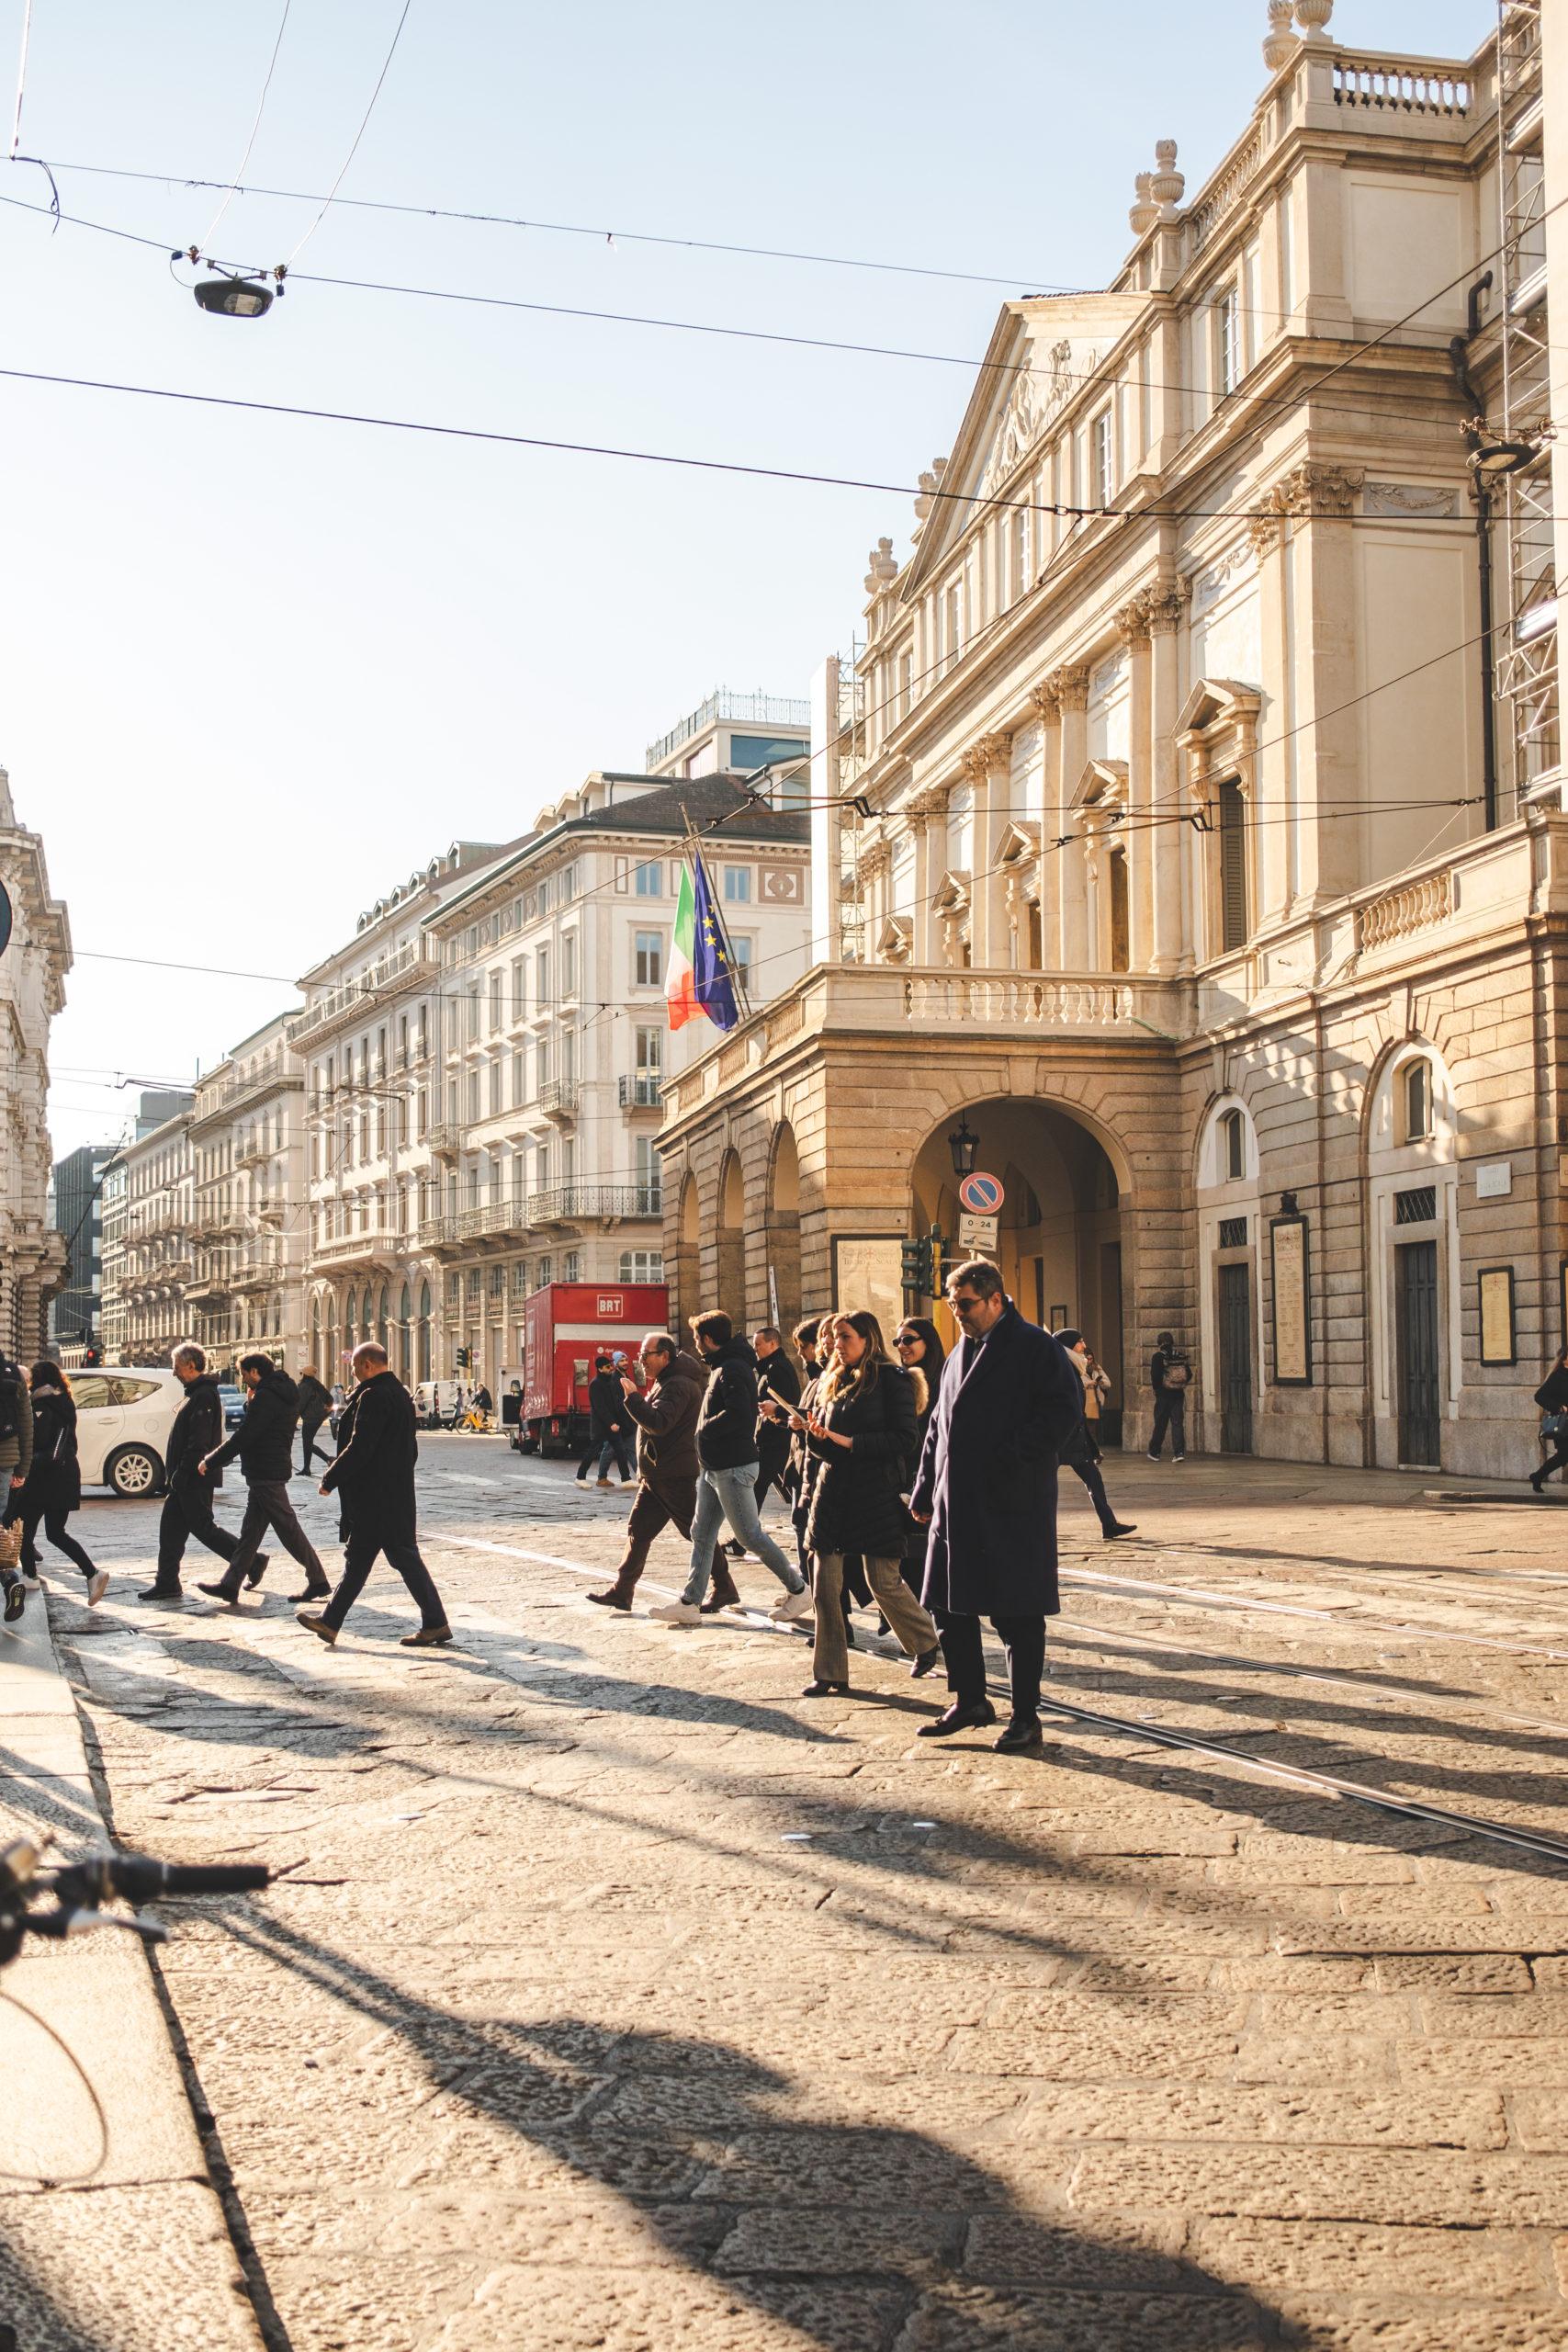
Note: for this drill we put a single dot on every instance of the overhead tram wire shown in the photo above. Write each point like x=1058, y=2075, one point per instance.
x=1001, y=368
x=332, y=195
x=261, y=108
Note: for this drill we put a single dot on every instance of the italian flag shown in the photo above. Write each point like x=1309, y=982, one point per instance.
x=680, y=988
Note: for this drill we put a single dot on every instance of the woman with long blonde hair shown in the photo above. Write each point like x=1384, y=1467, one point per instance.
x=861, y=1432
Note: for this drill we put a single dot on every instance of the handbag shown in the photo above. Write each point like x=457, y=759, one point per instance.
x=1554, y=1426
x=11, y=1545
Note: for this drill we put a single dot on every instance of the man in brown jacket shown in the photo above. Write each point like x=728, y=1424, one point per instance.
x=667, y=1467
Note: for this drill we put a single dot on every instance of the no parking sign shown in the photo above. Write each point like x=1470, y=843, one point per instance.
x=982, y=1195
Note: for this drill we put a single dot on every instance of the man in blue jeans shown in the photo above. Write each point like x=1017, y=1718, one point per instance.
x=726, y=1490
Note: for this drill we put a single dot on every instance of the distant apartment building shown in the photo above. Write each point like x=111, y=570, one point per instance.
x=75, y=1211
x=33, y=991
x=154, y=1261
x=156, y=1107
x=249, y=1211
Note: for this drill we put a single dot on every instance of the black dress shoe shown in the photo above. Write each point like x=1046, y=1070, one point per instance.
x=826, y=1691
x=258, y=1568
x=168, y=1594
x=958, y=1718
x=1021, y=1737
x=614, y=1598
x=924, y=1663
x=1119, y=1527
x=228, y=1593
x=311, y=1592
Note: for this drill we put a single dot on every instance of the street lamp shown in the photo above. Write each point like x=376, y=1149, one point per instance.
x=963, y=1145
x=235, y=297
x=1493, y=460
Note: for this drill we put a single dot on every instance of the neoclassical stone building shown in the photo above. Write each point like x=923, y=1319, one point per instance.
x=1169, y=841
x=32, y=990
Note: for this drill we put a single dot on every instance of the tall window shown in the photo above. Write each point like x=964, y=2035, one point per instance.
x=741, y=951
x=905, y=684
x=642, y=1266
x=649, y=1169
x=649, y=880
x=1417, y=1101
x=496, y=990
x=1103, y=457
x=568, y=964
x=738, y=885
x=649, y=1052
x=650, y=958
x=1233, y=1146
x=541, y=979
x=954, y=644
x=1227, y=327
x=1120, y=950
x=1235, y=922
x=1020, y=552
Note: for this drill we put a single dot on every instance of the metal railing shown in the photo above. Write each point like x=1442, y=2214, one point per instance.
x=445, y=1139
x=755, y=710
x=641, y=1092
x=390, y=975
x=558, y=1096
x=565, y=1204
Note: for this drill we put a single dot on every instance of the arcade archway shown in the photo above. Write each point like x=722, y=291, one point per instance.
x=1059, y=1233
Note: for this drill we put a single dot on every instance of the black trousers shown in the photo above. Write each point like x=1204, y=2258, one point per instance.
x=596, y=1445
x=267, y=1505
x=1024, y=1638
x=1170, y=1413
x=651, y=1512
x=308, y=1439
x=187, y=1511
x=365, y=1547
x=1089, y=1473
x=55, y=1532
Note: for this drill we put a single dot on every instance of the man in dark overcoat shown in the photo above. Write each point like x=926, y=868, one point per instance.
x=987, y=1485
x=372, y=1475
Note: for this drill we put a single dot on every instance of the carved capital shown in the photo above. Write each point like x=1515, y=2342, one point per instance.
x=1070, y=684
x=930, y=801
x=1047, y=699
x=1263, y=530
x=1166, y=606
x=990, y=751
x=1132, y=619
x=1322, y=492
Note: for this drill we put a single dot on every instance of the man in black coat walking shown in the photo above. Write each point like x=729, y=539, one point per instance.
x=987, y=1484
x=315, y=1407
x=372, y=1476
x=607, y=1421
x=264, y=1444
x=187, y=1507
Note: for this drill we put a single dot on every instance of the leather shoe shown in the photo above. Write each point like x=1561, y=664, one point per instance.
x=826, y=1691
x=311, y=1592
x=258, y=1568
x=1120, y=1527
x=614, y=1598
x=1019, y=1737
x=170, y=1598
x=319, y=1627
x=229, y=1593
x=958, y=1718
x=429, y=1637
x=924, y=1663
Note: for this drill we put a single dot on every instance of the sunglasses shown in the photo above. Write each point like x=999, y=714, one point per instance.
x=907, y=1339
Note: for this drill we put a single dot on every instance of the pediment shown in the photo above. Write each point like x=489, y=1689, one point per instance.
x=1216, y=702
x=1043, y=350
x=1019, y=845
x=895, y=940
x=951, y=896
x=1102, y=787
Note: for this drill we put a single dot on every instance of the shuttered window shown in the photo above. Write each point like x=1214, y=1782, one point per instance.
x=1234, y=916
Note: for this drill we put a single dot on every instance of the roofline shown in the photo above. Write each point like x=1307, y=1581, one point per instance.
x=593, y=826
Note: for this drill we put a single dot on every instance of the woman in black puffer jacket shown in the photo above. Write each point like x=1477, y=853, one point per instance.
x=861, y=1435
x=54, y=1482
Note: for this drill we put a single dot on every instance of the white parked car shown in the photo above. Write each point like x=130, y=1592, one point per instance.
x=124, y=1414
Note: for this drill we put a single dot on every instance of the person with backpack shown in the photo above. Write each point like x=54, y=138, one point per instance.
x=1170, y=1376
x=16, y=1461
x=53, y=1489
x=726, y=1488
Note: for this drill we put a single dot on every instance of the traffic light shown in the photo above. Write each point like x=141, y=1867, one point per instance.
x=939, y=1260
x=90, y=1356
x=462, y=1359
x=915, y=1261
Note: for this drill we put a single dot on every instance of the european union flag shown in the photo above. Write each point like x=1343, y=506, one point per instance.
x=712, y=974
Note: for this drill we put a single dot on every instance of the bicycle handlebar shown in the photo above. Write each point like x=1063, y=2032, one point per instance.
x=80, y=1889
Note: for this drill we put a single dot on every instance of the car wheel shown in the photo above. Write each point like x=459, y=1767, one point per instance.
x=134, y=1473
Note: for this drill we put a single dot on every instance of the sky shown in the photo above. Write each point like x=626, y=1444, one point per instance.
x=255, y=668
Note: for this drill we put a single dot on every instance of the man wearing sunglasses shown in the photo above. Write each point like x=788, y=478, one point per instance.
x=987, y=1486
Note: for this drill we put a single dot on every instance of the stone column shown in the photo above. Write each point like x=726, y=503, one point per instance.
x=1274, y=790
x=1047, y=702
x=1320, y=665
x=1133, y=621
x=986, y=768
x=1171, y=927
x=1072, y=694
x=927, y=811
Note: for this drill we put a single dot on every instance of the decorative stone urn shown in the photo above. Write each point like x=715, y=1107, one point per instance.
x=1280, y=42
x=1312, y=17
x=1167, y=184
x=1145, y=212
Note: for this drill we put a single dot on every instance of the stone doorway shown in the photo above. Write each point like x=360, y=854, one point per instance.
x=1059, y=1244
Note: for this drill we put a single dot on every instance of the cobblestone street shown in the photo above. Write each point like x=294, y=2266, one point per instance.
x=613, y=1995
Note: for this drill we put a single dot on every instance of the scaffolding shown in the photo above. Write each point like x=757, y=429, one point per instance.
x=1526, y=660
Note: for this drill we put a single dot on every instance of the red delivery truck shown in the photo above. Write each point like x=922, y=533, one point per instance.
x=565, y=1326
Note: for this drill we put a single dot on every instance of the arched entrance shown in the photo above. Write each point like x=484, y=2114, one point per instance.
x=687, y=1269
x=732, y=1241
x=784, y=1228
x=1060, y=1237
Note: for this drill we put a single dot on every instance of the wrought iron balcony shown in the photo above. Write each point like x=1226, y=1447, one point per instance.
x=558, y=1098
x=574, y=1203
x=445, y=1139
x=641, y=1092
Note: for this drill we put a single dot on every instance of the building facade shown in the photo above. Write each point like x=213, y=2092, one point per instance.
x=153, y=1256
x=76, y=1314
x=249, y=1204
x=552, y=1046
x=33, y=964
x=153, y=1108
x=1179, y=857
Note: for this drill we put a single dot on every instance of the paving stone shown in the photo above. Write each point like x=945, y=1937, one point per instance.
x=1324, y=2118
x=1429, y=2189
x=975, y=2319
x=577, y=2310
x=1280, y=2258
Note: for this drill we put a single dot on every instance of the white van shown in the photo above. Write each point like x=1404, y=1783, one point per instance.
x=124, y=1414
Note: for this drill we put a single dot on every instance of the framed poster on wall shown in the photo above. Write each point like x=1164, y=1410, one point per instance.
x=1497, y=1314
x=1292, y=1302
x=868, y=1272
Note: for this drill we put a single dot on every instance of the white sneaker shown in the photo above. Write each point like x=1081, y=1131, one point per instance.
x=677, y=1612
x=792, y=1606
x=33, y=1583
x=97, y=1585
